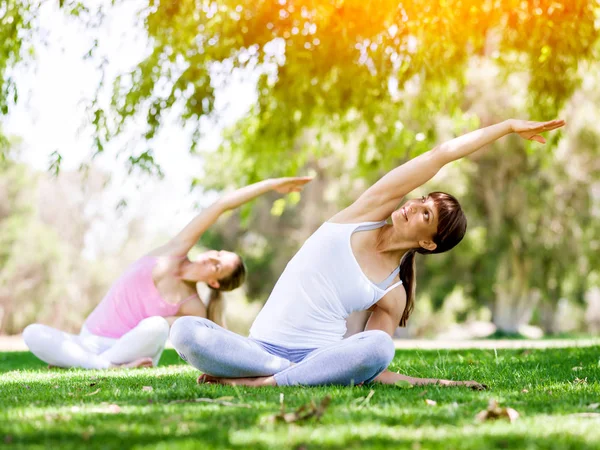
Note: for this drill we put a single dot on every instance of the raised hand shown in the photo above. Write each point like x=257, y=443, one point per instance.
x=530, y=130
x=290, y=184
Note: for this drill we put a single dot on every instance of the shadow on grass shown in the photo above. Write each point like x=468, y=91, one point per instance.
x=210, y=426
x=217, y=438
x=209, y=429
x=10, y=361
x=496, y=441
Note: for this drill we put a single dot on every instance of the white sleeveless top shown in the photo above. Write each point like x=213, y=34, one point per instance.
x=319, y=288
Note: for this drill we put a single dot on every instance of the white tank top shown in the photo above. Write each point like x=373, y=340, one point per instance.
x=319, y=288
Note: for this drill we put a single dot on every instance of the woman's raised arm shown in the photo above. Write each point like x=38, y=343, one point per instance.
x=181, y=244
x=380, y=200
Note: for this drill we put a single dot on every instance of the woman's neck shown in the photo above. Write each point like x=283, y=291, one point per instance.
x=182, y=270
x=390, y=244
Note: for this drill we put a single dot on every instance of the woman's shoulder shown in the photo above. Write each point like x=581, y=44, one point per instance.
x=350, y=217
x=168, y=250
x=356, y=224
x=156, y=263
x=354, y=214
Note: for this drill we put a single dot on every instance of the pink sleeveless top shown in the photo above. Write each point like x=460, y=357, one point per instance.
x=132, y=298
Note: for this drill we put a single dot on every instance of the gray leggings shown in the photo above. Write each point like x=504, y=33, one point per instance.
x=219, y=352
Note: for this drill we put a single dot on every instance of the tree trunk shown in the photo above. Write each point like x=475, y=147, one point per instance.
x=548, y=319
x=5, y=314
x=514, y=303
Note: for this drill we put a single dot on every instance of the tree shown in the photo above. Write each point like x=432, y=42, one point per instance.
x=19, y=29
x=44, y=275
x=15, y=25
x=337, y=65
x=532, y=212
x=353, y=88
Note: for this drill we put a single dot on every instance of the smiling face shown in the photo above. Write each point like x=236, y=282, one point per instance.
x=432, y=224
x=212, y=266
x=417, y=221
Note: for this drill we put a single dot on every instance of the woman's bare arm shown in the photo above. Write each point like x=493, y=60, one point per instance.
x=380, y=200
x=192, y=307
x=182, y=243
x=386, y=316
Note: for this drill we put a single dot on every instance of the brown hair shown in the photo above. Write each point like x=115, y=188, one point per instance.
x=452, y=225
x=216, y=306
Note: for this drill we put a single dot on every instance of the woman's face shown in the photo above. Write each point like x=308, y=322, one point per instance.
x=215, y=265
x=416, y=221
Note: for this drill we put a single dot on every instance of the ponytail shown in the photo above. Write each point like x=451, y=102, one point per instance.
x=216, y=307
x=409, y=281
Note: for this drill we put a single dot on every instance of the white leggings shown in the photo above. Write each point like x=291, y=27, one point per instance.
x=88, y=351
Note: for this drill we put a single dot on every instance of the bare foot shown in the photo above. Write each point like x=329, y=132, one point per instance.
x=252, y=382
x=142, y=362
x=206, y=379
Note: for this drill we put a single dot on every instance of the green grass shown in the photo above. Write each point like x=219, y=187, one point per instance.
x=69, y=409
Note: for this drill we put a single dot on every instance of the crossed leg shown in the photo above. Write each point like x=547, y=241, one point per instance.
x=221, y=353
x=142, y=346
x=228, y=358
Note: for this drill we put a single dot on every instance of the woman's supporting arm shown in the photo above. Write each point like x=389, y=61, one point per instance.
x=386, y=316
x=181, y=244
x=389, y=377
x=380, y=200
x=192, y=307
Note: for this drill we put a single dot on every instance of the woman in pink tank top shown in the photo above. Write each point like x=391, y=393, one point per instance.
x=130, y=326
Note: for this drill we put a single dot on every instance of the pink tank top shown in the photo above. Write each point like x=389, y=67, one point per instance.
x=132, y=298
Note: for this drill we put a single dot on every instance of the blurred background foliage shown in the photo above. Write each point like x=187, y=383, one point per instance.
x=345, y=90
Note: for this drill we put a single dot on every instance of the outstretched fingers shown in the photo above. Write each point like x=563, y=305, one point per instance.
x=531, y=130
x=290, y=184
x=547, y=126
x=553, y=124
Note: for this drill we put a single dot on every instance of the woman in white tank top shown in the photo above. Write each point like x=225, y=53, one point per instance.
x=354, y=262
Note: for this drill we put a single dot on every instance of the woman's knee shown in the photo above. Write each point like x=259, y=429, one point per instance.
x=381, y=349
x=32, y=334
x=155, y=326
x=187, y=330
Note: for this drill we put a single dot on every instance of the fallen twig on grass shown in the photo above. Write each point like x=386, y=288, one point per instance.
x=304, y=412
x=495, y=411
x=366, y=400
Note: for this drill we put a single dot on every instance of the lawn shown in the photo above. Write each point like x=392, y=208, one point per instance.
x=555, y=391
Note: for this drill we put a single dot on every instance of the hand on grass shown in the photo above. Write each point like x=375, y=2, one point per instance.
x=476, y=386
